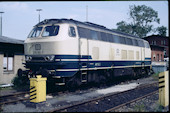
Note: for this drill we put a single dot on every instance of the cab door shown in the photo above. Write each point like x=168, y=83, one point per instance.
x=84, y=35
x=84, y=47
x=84, y=61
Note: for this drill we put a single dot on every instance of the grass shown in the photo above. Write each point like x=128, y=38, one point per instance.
x=158, y=107
x=139, y=108
x=5, y=88
x=155, y=76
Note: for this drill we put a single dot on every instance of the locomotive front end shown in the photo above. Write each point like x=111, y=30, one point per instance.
x=40, y=49
x=51, y=50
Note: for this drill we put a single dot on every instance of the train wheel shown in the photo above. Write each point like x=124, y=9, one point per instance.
x=44, y=72
x=148, y=71
x=74, y=81
x=134, y=74
x=138, y=72
x=90, y=77
x=73, y=84
x=96, y=77
x=143, y=65
x=102, y=76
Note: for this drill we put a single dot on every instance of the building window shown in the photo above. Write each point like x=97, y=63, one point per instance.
x=161, y=58
x=154, y=57
x=154, y=43
x=8, y=63
x=158, y=57
x=165, y=53
x=164, y=42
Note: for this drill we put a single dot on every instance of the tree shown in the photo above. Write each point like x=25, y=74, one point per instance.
x=142, y=19
x=161, y=30
x=124, y=27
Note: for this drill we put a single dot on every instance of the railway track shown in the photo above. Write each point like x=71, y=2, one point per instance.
x=111, y=102
x=13, y=98
x=129, y=102
x=107, y=103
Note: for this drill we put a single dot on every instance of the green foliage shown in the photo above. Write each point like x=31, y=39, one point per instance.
x=143, y=15
x=155, y=76
x=161, y=30
x=21, y=82
x=139, y=108
x=124, y=27
x=142, y=18
x=158, y=107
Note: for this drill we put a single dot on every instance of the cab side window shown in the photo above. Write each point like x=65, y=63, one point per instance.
x=72, y=32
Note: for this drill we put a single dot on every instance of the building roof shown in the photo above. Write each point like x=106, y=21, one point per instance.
x=157, y=46
x=4, y=39
x=158, y=36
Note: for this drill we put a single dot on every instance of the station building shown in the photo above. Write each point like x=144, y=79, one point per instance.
x=159, y=46
x=159, y=52
x=11, y=58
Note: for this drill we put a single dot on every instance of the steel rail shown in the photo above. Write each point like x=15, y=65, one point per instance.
x=15, y=94
x=7, y=97
x=13, y=101
x=98, y=98
x=134, y=100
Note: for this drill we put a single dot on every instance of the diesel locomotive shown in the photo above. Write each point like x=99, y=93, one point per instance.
x=73, y=52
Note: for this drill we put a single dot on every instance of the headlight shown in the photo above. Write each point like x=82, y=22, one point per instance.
x=49, y=58
x=28, y=58
x=52, y=58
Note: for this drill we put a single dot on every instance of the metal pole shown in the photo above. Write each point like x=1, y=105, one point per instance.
x=39, y=16
x=1, y=23
x=87, y=13
x=39, y=13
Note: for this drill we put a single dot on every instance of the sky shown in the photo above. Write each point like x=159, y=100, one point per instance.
x=19, y=17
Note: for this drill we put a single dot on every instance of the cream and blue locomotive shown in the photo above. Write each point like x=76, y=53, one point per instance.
x=74, y=52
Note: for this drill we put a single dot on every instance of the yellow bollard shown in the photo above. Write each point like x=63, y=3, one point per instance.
x=38, y=89
x=164, y=88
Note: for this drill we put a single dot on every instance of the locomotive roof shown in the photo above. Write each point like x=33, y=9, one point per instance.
x=54, y=21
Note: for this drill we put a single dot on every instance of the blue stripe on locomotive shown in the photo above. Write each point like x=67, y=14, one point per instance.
x=69, y=64
x=72, y=57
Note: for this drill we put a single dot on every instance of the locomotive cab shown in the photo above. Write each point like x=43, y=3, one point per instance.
x=45, y=45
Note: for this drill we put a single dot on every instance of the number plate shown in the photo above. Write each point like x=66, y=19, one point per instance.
x=37, y=46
